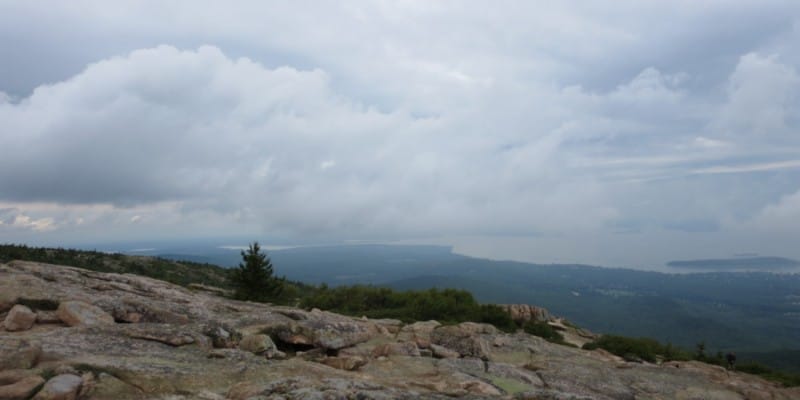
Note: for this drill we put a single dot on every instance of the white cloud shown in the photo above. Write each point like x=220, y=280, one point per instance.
x=340, y=121
x=781, y=216
x=762, y=97
x=39, y=225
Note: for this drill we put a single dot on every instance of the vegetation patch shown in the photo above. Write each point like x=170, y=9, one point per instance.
x=445, y=305
x=637, y=349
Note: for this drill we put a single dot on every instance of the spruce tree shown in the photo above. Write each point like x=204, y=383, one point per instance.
x=254, y=278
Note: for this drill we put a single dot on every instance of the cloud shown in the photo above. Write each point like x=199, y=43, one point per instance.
x=781, y=215
x=762, y=97
x=556, y=122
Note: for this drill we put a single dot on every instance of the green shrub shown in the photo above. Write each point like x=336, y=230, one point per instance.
x=448, y=306
x=543, y=330
x=632, y=349
x=784, y=378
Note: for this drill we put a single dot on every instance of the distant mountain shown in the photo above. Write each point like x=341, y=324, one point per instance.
x=740, y=263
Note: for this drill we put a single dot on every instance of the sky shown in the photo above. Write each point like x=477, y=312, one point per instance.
x=623, y=133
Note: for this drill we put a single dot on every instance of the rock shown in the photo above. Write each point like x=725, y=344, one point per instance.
x=443, y=352
x=244, y=391
x=392, y=326
x=61, y=387
x=522, y=313
x=480, y=387
x=257, y=344
x=19, y=354
x=166, y=334
x=409, y=349
x=418, y=332
x=463, y=338
x=7, y=300
x=21, y=389
x=131, y=361
x=75, y=313
x=20, y=318
x=221, y=335
x=107, y=387
x=136, y=311
x=210, y=289
x=326, y=330
x=345, y=363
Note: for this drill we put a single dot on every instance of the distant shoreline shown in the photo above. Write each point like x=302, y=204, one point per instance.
x=748, y=263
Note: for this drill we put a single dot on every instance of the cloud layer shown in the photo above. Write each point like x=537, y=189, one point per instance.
x=403, y=121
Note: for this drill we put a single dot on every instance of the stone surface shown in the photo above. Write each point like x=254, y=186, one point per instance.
x=443, y=352
x=522, y=313
x=184, y=344
x=61, y=387
x=19, y=384
x=75, y=313
x=464, y=338
x=19, y=318
x=409, y=349
x=18, y=353
x=21, y=389
x=348, y=363
x=257, y=344
x=418, y=332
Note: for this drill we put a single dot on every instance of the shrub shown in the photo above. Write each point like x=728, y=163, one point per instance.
x=632, y=349
x=543, y=330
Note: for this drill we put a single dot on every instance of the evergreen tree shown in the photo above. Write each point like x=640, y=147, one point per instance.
x=253, y=279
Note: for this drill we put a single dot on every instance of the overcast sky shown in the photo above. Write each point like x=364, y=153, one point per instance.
x=616, y=133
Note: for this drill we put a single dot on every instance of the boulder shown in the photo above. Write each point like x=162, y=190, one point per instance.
x=522, y=313
x=136, y=311
x=418, y=332
x=443, y=352
x=20, y=318
x=257, y=344
x=326, y=330
x=61, y=387
x=21, y=389
x=19, y=354
x=463, y=339
x=222, y=336
x=75, y=313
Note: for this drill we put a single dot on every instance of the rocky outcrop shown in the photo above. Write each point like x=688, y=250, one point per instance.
x=467, y=339
x=522, y=313
x=119, y=336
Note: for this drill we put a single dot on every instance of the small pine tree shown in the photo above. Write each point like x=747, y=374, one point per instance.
x=253, y=279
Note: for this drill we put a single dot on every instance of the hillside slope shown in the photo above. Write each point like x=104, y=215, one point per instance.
x=120, y=336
